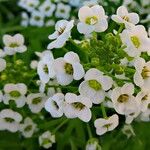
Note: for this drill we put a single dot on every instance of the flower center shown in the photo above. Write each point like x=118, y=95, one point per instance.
x=123, y=98
x=95, y=85
x=145, y=98
x=107, y=125
x=125, y=18
x=78, y=105
x=91, y=20
x=46, y=69
x=13, y=45
x=135, y=40
x=56, y=105
x=62, y=10
x=15, y=94
x=31, y=5
x=69, y=69
x=28, y=128
x=37, y=18
x=145, y=72
x=47, y=8
x=61, y=30
x=10, y=120
x=46, y=141
x=36, y=100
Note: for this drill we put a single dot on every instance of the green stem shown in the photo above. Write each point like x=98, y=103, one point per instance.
x=103, y=110
x=89, y=131
x=120, y=29
x=59, y=126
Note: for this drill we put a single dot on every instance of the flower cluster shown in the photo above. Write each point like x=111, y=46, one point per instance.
x=106, y=66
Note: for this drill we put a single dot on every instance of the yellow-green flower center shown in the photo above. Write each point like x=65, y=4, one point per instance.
x=145, y=72
x=10, y=120
x=28, y=128
x=145, y=98
x=125, y=18
x=36, y=100
x=47, y=8
x=46, y=69
x=68, y=69
x=13, y=45
x=136, y=42
x=78, y=105
x=95, y=85
x=46, y=141
x=15, y=94
x=61, y=30
x=37, y=18
x=107, y=125
x=91, y=20
x=123, y=98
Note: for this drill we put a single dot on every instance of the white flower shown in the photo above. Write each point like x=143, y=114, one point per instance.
x=15, y=92
x=46, y=139
x=2, y=64
x=127, y=2
x=92, y=144
x=61, y=35
x=25, y=19
x=29, y=5
x=28, y=127
x=123, y=100
x=92, y=19
x=77, y=106
x=145, y=116
x=47, y=8
x=104, y=125
x=143, y=98
x=95, y=85
x=9, y=120
x=37, y=19
x=54, y=105
x=36, y=101
x=123, y=16
x=63, y=11
x=45, y=67
x=14, y=44
x=68, y=68
x=90, y=3
x=142, y=74
x=136, y=41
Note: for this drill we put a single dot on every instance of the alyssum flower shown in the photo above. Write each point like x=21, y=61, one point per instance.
x=14, y=44
x=142, y=74
x=136, y=41
x=104, y=125
x=95, y=85
x=54, y=105
x=28, y=127
x=125, y=103
x=15, y=92
x=46, y=139
x=45, y=67
x=68, y=68
x=123, y=16
x=92, y=19
x=36, y=101
x=77, y=107
x=10, y=120
x=61, y=35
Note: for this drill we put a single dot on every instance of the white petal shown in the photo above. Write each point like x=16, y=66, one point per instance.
x=78, y=71
x=101, y=26
x=64, y=79
x=71, y=57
